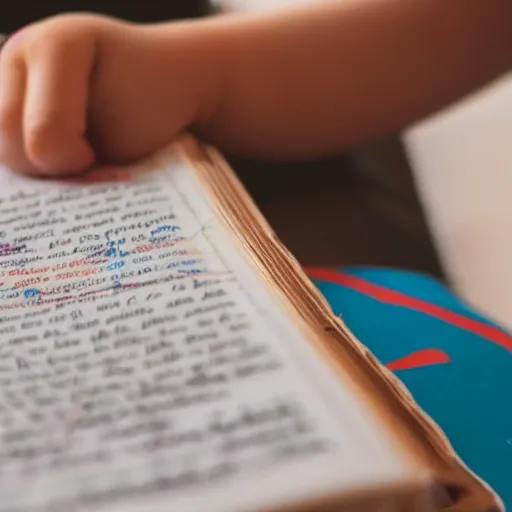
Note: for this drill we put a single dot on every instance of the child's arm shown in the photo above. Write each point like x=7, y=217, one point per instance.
x=297, y=84
x=319, y=80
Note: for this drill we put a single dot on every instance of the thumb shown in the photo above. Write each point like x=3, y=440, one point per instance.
x=59, y=66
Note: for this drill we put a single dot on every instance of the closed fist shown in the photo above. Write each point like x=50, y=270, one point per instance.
x=80, y=90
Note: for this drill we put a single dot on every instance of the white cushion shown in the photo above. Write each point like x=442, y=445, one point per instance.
x=462, y=159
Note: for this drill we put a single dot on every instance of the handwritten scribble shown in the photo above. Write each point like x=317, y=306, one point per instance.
x=126, y=337
x=31, y=293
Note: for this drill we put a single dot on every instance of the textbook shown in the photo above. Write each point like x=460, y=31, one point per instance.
x=161, y=350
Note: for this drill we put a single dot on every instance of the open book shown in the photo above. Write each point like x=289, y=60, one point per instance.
x=160, y=350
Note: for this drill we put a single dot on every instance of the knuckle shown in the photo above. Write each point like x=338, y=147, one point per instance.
x=11, y=57
x=62, y=30
x=68, y=26
x=9, y=52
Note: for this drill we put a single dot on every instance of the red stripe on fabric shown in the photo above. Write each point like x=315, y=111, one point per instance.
x=427, y=357
x=389, y=296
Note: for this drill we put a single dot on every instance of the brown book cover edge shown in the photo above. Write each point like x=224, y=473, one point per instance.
x=412, y=428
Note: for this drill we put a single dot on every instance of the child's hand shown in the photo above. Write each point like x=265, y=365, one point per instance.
x=81, y=89
x=297, y=83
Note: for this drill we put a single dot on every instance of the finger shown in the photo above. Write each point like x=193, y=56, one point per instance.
x=12, y=93
x=55, y=110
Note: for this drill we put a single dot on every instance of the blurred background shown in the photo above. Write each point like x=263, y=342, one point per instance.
x=435, y=199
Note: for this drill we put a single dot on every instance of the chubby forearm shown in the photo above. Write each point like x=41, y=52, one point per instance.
x=81, y=90
x=317, y=80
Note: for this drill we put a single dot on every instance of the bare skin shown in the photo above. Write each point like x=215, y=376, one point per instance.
x=79, y=90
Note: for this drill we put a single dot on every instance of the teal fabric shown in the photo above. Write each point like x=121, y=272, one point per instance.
x=468, y=393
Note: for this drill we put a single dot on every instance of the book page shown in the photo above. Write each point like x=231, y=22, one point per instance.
x=144, y=365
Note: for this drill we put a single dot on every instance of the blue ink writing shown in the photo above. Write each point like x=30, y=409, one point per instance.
x=166, y=227
x=31, y=293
